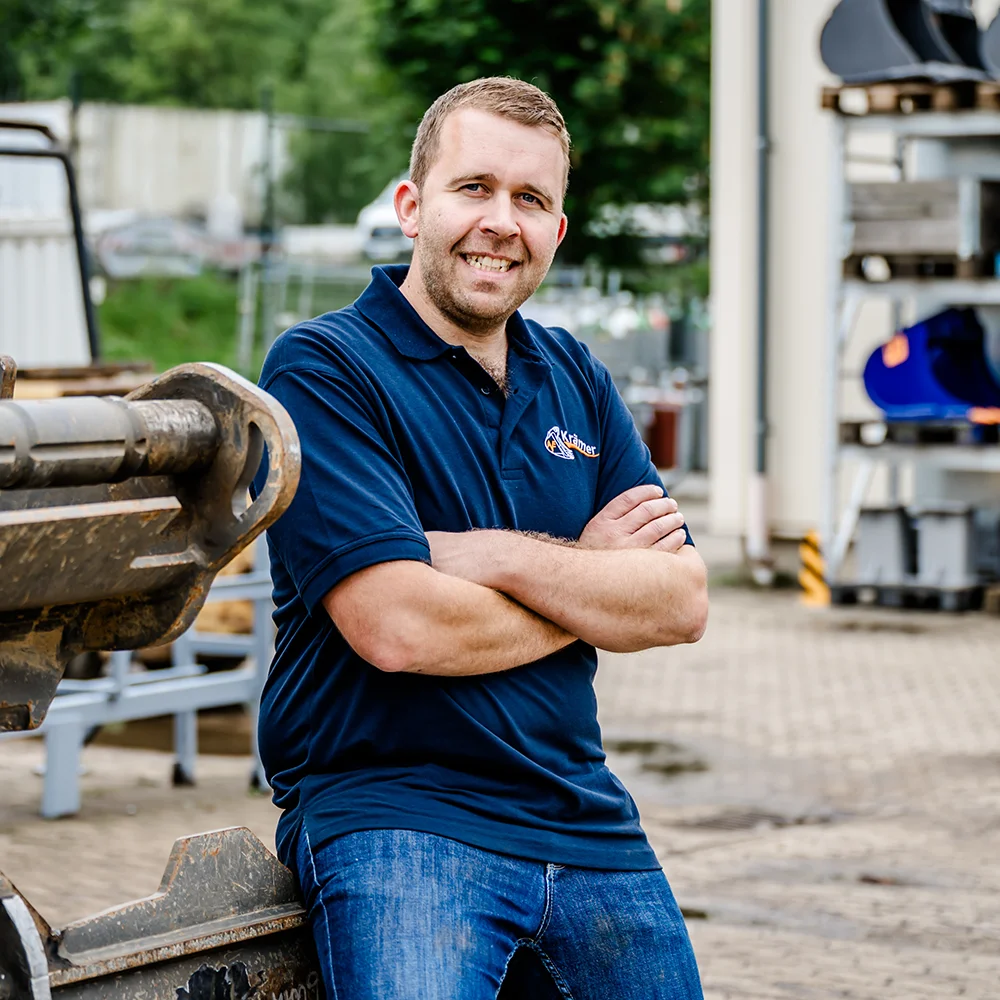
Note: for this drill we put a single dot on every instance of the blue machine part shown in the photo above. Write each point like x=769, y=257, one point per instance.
x=936, y=370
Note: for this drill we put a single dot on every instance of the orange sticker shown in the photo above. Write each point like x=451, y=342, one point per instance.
x=896, y=351
x=985, y=415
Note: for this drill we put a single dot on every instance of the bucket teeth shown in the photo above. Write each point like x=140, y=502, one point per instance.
x=872, y=41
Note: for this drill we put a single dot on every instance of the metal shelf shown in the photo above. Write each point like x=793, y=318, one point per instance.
x=845, y=298
x=953, y=457
x=969, y=124
x=965, y=292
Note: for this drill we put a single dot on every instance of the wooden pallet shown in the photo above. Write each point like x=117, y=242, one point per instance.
x=84, y=372
x=991, y=599
x=909, y=596
x=918, y=433
x=942, y=265
x=82, y=380
x=907, y=96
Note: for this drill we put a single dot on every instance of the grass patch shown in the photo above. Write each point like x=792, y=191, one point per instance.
x=170, y=321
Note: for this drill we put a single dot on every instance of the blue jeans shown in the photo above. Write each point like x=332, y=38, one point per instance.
x=400, y=915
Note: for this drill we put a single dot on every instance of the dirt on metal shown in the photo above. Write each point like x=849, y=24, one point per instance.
x=116, y=516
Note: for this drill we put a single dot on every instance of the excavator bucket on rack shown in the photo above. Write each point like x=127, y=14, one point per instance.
x=875, y=41
x=957, y=22
x=934, y=371
x=115, y=516
x=991, y=48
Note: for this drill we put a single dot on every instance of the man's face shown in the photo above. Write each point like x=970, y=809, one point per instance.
x=488, y=218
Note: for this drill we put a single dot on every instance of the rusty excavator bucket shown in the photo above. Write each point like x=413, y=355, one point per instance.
x=115, y=516
x=873, y=41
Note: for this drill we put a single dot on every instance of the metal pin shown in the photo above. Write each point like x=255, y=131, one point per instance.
x=8, y=374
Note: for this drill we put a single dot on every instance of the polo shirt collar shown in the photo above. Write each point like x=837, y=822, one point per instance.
x=384, y=305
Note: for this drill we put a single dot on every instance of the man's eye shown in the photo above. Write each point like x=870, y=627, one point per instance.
x=530, y=199
x=474, y=188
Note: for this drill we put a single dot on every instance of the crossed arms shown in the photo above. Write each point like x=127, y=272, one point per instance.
x=493, y=600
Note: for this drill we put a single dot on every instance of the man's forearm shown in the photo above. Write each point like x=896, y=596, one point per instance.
x=440, y=625
x=620, y=600
x=482, y=631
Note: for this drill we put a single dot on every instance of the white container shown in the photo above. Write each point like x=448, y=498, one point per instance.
x=42, y=318
x=42, y=315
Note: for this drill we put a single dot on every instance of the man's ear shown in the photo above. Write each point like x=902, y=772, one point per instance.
x=563, y=224
x=407, y=204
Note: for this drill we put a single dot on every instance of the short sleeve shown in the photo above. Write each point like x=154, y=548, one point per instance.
x=625, y=459
x=354, y=504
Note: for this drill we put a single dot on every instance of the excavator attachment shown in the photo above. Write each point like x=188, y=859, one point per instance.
x=935, y=371
x=990, y=48
x=226, y=924
x=872, y=41
x=115, y=516
x=957, y=23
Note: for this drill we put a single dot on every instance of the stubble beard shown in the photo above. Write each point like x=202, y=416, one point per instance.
x=474, y=317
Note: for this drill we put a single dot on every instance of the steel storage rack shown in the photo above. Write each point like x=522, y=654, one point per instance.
x=936, y=144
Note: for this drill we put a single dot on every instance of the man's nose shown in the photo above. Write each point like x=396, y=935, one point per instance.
x=498, y=218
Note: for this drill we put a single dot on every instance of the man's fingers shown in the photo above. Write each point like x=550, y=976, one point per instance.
x=673, y=542
x=647, y=511
x=649, y=534
x=630, y=499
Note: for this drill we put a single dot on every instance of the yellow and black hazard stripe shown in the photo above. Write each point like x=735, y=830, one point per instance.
x=812, y=575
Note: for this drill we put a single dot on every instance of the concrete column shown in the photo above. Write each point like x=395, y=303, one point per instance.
x=799, y=242
x=799, y=265
x=733, y=261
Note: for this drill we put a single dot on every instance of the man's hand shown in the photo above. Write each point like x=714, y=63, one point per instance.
x=640, y=518
x=465, y=554
x=621, y=599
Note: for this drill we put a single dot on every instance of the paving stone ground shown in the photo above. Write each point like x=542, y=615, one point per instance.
x=842, y=840
x=823, y=790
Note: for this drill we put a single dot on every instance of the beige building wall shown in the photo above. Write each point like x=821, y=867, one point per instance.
x=162, y=160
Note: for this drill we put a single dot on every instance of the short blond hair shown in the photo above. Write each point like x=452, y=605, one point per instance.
x=498, y=95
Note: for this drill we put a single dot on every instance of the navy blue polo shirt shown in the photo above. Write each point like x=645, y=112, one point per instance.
x=403, y=433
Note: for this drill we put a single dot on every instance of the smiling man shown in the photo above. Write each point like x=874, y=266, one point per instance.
x=476, y=514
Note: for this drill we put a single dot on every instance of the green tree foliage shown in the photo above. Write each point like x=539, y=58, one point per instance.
x=337, y=173
x=34, y=37
x=631, y=77
x=199, y=53
x=315, y=55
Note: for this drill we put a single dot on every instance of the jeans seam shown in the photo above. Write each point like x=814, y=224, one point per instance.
x=518, y=944
x=547, y=910
x=322, y=906
x=561, y=985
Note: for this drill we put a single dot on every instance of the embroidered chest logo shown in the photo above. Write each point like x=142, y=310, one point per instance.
x=562, y=444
